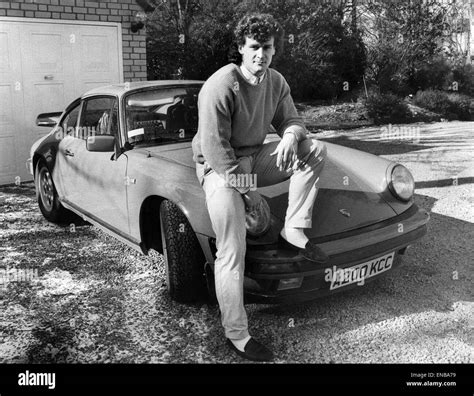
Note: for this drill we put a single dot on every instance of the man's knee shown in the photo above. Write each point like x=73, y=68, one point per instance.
x=321, y=153
x=313, y=152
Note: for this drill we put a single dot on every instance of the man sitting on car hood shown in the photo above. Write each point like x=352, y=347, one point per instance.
x=238, y=105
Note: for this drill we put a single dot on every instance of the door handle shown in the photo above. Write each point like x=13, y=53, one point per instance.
x=69, y=153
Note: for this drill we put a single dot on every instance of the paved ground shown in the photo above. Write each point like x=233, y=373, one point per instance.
x=95, y=300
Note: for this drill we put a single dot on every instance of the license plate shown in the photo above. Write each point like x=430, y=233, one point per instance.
x=358, y=273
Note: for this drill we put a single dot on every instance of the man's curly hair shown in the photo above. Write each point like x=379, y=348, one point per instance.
x=260, y=27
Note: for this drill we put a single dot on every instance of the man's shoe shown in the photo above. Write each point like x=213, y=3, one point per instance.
x=311, y=251
x=253, y=351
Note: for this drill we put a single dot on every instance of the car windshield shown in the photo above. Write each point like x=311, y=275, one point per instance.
x=162, y=115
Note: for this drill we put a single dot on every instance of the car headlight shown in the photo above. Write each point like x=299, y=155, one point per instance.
x=258, y=222
x=402, y=184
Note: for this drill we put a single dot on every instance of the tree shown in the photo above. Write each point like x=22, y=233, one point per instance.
x=404, y=39
x=323, y=53
x=169, y=36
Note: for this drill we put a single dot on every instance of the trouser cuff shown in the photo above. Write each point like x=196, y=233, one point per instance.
x=236, y=334
x=298, y=224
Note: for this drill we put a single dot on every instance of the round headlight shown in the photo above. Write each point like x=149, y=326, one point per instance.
x=402, y=184
x=258, y=221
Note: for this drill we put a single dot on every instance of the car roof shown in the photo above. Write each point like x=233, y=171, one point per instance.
x=120, y=89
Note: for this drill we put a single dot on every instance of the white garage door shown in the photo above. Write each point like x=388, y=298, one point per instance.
x=43, y=66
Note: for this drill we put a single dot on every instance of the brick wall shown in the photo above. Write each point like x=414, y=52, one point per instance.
x=123, y=11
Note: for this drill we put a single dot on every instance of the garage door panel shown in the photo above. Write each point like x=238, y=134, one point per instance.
x=6, y=108
x=54, y=99
x=11, y=103
x=44, y=97
x=10, y=139
x=47, y=51
x=95, y=53
x=43, y=67
x=52, y=94
x=8, y=166
x=5, y=48
x=92, y=60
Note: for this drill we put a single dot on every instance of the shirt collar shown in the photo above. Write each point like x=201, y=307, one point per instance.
x=254, y=80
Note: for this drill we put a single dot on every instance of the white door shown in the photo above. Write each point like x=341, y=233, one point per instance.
x=11, y=104
x=49, y=65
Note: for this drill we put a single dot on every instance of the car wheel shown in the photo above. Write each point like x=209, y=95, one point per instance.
x=48, y=199
x=184, y=258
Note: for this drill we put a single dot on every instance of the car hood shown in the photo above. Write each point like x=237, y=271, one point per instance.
x=180, y=153
x=352, y=191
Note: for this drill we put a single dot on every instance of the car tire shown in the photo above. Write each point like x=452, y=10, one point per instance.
x=48, y=199
x=184, y=259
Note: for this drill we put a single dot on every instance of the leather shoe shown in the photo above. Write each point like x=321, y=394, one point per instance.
x=311, y=251
x=253, y=351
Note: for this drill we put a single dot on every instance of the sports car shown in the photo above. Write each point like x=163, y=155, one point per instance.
x=120, y=157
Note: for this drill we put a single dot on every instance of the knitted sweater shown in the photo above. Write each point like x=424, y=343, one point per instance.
x=235, y=117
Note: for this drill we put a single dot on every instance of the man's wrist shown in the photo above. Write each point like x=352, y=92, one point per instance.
x=293, y=133
x=298, y=131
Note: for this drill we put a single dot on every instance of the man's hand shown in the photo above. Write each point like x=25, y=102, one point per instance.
x=286, y=152
x=252, y=200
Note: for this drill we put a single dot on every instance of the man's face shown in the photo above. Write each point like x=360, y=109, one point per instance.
x=257, y=56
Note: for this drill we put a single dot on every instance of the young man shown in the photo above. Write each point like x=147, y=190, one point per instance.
x=238, y=105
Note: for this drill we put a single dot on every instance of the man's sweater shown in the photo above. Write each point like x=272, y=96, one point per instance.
x=235, y=117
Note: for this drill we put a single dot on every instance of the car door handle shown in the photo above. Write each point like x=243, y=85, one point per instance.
x=69, y=153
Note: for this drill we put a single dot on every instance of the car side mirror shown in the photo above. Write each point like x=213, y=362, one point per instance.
x=48, y=119
x=100, y=143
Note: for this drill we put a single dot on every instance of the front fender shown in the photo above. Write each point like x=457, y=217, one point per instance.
x=156, y=177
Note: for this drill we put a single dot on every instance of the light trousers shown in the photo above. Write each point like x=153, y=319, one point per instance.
x=227, y=213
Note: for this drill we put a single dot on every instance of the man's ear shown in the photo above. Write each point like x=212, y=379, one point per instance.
x=240, y=49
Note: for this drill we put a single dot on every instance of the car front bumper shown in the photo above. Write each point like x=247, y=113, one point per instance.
x=265, y=268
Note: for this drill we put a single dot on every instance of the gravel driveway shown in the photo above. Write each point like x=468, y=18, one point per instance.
x=93, y=299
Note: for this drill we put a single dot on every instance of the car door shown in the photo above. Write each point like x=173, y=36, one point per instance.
x=64, y=170
x=99, y=189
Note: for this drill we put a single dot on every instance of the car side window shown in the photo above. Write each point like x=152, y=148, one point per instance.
x=97, y=117
x=69, y=122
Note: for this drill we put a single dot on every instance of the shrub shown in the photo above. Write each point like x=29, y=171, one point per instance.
x=433, y=100
x=434, y=74
x=386, y=108
x=464, y=78
x=459, y=106
x=452, y=106
x=404, y=40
